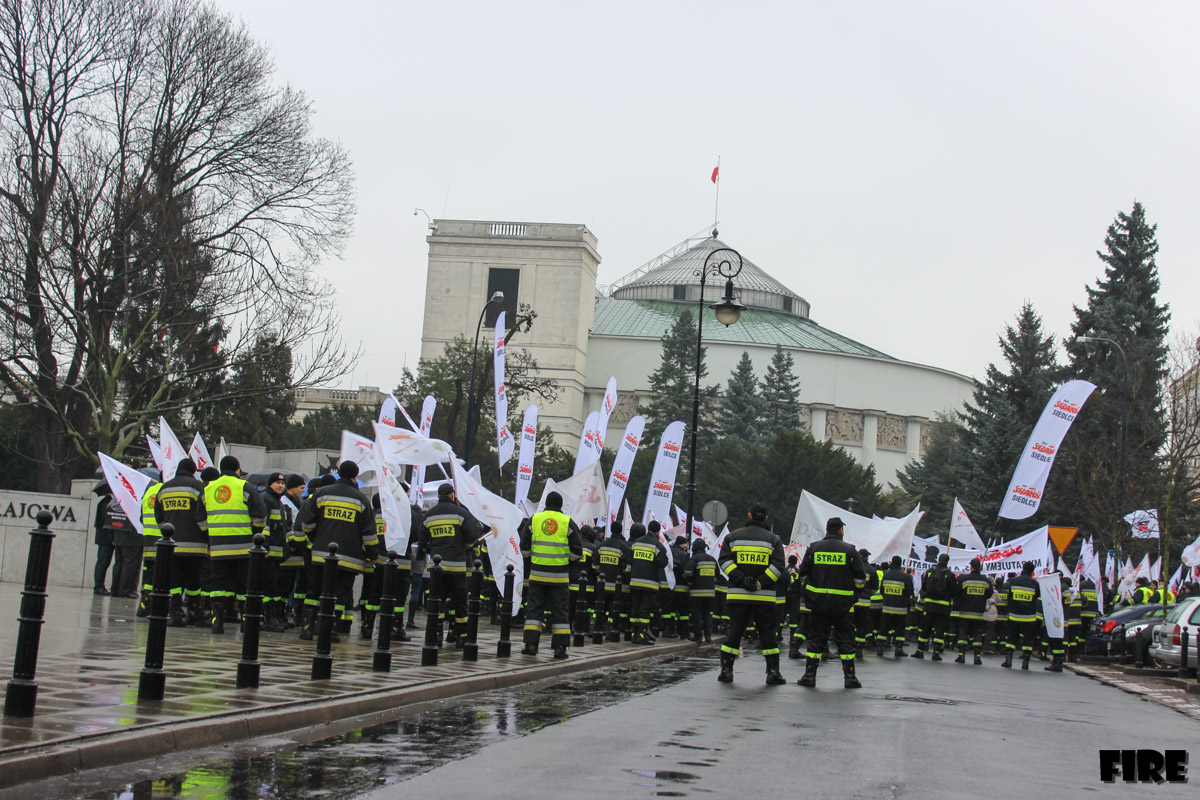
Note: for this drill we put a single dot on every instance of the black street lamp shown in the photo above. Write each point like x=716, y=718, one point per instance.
x=497, y=298
x=1124, y=425
x=728, y=311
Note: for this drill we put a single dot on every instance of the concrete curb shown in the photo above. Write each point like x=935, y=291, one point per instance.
x=23, y=763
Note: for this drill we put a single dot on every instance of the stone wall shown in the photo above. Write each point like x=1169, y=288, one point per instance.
x=73, y=553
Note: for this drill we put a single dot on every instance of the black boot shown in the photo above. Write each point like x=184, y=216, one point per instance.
x=177, y=618
x=1056, y=665
x=274, y=617
x=412, y=613
x=707, y=637
x=309, y=626
x=195, y=615
x=398, y=632
x=810, y=672
x=937, y=655
x=143, y=609
x=560, y=651
x=962, y=658
x=1025, y=659
x=794, y=649
x=850, y=679
x=530, y=649
x=774, y=678
x=1007, y=663
x=367, y=629
x=879, y=647
x=900, y=651
x=920, y=652
x=727, y=660
x=1072, y=656
x=218, y=616
x=978, y=661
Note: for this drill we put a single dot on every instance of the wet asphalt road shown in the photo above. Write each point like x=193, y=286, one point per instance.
x=917, y=729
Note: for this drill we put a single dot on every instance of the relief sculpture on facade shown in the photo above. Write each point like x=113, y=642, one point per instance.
x=892, y=433
x=844, y=426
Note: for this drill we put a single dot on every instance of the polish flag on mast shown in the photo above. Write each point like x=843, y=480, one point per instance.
x=716, y=170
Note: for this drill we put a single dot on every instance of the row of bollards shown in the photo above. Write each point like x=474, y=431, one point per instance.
x=20, y=698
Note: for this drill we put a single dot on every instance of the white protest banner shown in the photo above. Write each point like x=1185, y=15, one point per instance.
x=222, y=451
x=1011, y=556
x=626, y=521
x=583, y=495
x=525, y=456
x=1052, y=605
x=1029, y=479
x=428, y=406
x=397, y=518
x=1191, y=553
x=1176, y=579
x=586, y=453
x=623, y=464
x=505, y=444
x=666, y=543
x=361, y=451
x=1143, y=524
x=607, y=406
x=128, y=487
x=399, y=446
x=1091, y=571
x=662, y=480
x=882, y=538
x=199, y=454
x=1156, y=569
x=501, y=519
x=962, y=529
x=387, y=411
x=172, y=451
x=156, y=453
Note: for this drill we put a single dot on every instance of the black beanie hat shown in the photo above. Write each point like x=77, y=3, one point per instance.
x=654, y=526
x=185, y=467
x=294, y=480
x=348, y=470
x=897, y=561
x=230, y=464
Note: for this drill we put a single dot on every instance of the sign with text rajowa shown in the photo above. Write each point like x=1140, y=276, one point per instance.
x=618, y=480
x=1029, y=479
x=662, y=480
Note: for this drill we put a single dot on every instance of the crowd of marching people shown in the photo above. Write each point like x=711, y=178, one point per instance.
x=577, y=578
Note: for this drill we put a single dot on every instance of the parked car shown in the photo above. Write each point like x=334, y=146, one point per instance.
x=1167, y=646
x=1111, y=634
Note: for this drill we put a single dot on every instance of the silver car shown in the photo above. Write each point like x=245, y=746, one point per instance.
x=1167, y=645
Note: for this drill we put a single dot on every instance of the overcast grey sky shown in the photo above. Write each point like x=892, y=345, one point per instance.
x=915, y=170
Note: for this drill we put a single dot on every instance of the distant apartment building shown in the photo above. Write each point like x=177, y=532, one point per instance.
x=310, y=400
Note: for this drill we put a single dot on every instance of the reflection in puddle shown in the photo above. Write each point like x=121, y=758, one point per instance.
x=363, y=760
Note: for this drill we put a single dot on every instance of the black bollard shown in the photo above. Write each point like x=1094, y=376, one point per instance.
x=381, y=659
x=504, y=646
x=581, y=613
x=1185, y=671
x=598, y=612
x=322, y=664
x=626, y=607
x=20, y=698
x=252, y=615
x=474, y=603
x=153, y=678
x=433, y=614
x=614, y=624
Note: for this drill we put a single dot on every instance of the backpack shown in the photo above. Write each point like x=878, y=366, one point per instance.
x=936, y=585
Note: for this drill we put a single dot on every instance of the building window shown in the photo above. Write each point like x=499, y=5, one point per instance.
x=787, y=305
x=680, y=292
x=509, y=282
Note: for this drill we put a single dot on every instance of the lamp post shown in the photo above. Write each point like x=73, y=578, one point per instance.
x=726, y=263
x=1124, y=424
x=496, y=298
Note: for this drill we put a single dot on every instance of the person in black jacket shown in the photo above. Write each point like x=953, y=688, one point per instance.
x=897, y=586
x=752, y=561
x=109, y=517
x=938, y=590
x=450, y=531
x=679, y=595
x=700, y=574
x=277, y=531
x=180, y=502
x=1024, y=608
x=649, y=557
x=974, y=589
x=834, y=574
x=614, y=556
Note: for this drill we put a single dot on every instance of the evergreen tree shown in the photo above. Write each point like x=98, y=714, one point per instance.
x=741, y=412
x=1122, y=306
x=935, y=479
x=1006, y=406
x=780, y=395
x=258, y=404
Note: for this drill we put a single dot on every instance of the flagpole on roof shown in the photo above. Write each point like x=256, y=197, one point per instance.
x=716, y=178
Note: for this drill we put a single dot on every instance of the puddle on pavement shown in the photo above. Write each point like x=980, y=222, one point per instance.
x=365, y=759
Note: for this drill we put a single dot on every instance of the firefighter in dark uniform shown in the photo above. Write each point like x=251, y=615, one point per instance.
x=1074, y=611
x=974, y=589
x=679, y=595
x=897, y=590
x=834, y=574
x=649, y=558
x=1089, y=609
x=582, y=566
x=751, y=560
x=1141, y=594
x=150, y=537
x=862, y=606
x=700, y=574
x=1001, y=587
x=292, y=570
x=372, y=586
x=235, y=513
x=938, y=590
x=404, y=565
x=278, y=530
x=180, y=502
x=876, y=599
x=550, y=542
x=1024, y=607
x=797, y=646
x=614, y=555
x=450, y=530
x=338, y=513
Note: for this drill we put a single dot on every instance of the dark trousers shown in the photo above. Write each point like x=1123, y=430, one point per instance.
x=970, y=631
x=538, y=598
x=343, y=587
x=765, y=620
x=1024, y=635
x=893, y=626
x=229, y=578
x=840, y=624
x=643, y=605
x=104, y=557
x=862, y=625
x=187, y=575
x=454, y=596
x=611, y=607
x=933, y=628
x=701, y=618
x=682, y=601
x=127, y=570
x=372, y=590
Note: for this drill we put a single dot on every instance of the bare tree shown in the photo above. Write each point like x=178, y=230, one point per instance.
x=162, y=206
x=1181, y=455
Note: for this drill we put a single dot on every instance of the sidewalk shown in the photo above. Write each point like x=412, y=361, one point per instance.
x=1152, y=685
x=93, y=649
